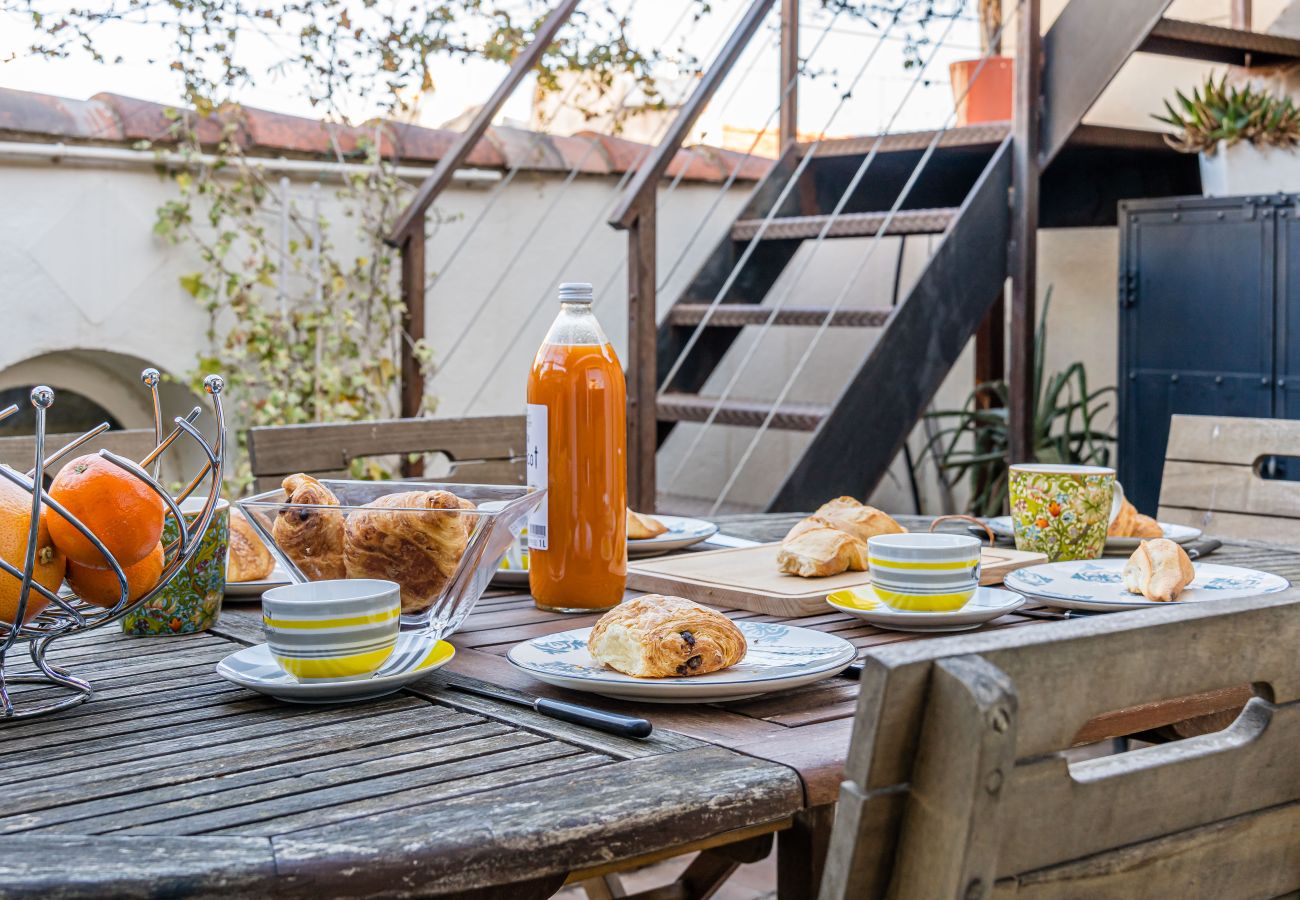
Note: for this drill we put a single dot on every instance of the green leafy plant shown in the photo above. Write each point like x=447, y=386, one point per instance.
x=1218, y=113
x=973, y=442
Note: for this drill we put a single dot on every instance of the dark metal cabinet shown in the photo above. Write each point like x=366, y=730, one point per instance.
x=1209, y=290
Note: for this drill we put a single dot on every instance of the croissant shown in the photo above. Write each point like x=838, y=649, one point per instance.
x=312, y=538
x=857, y=519
x=1158, y=570
x=1131, y=523
x=819, y=552
x=659, y=637
x=418, y=550
x=247, y=559
x=641, y=526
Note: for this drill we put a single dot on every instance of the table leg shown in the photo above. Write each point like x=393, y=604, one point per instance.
x=801, y=853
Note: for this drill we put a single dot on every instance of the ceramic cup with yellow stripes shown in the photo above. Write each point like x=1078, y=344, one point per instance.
x=924, y=572
x=340, y=630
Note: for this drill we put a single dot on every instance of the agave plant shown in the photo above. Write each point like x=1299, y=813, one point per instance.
x=1217, y=112
x=973, y=441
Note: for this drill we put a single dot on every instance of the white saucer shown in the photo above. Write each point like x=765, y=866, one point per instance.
x=780, y=657
x=986, y=605
x=681, y=533
x=1179, y=534
x=415, y=656
x=1095, y=585
x=277, y=578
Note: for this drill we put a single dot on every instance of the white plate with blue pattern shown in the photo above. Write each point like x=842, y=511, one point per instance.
x=1179, y=534
x=681, y=533
x=1096, y=585
x=780, y=657
x=415, y=656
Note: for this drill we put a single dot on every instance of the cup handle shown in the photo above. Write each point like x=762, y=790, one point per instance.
x=1116, y=501
x=972, y=519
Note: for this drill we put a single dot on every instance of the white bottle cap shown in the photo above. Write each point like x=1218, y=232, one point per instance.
x=576, y=292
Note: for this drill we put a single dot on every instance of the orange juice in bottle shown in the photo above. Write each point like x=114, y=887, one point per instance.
x=577, y=450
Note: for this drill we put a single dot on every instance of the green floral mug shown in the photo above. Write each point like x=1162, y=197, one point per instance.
x=1063, y=510
x=191, y=601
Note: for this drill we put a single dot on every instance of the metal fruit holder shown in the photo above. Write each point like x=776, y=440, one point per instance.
x=67, y=614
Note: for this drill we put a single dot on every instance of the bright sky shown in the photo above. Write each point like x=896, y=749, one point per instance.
x=884, y=97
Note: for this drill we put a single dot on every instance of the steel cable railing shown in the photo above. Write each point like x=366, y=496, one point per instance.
x=539, y=305
x=881, y=230
x=757, y=238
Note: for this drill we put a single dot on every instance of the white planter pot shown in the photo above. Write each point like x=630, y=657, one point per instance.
x=1245, y=168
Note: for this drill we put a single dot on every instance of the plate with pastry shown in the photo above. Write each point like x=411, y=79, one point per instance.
x=662, y=649
x=985, y=605
x=653, y=535
x=250, y=567
x=1129, y=529
x=1159, y=571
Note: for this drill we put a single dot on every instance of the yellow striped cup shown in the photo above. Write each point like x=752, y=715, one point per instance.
x=924, y=572
x=340, y=630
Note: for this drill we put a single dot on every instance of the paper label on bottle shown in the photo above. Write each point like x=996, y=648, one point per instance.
x=535, y=417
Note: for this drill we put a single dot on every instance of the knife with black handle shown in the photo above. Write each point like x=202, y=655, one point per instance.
x=608, y=722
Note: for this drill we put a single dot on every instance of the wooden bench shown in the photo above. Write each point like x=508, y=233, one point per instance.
x=957, y=785
x=482, y=450
x=1223, y=475
x=18, y=452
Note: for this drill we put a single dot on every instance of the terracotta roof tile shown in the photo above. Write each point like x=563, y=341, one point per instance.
x=113, y=118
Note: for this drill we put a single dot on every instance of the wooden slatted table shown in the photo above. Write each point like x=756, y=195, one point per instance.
x=172, y=781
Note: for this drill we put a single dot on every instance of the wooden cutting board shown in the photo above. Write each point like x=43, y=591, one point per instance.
x=747, y=578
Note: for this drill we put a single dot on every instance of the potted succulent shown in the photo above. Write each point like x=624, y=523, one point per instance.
x=1246, y=137
x=983, y=94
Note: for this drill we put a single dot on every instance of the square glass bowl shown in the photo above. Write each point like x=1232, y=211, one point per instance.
x=414, y=546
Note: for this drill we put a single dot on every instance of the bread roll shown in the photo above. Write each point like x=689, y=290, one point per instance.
x=641, y=527
x=819, y=551
x=311, y=537
x=420, y=550
x=1158, y=570
x=1131, y=523
x=661, y=637
x=857, y=519
x=247, y=559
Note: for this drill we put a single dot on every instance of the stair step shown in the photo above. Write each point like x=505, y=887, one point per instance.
x=694, y=408
x=732, y=315
x=905, y=221
x=1212, y=43
x=983, y=137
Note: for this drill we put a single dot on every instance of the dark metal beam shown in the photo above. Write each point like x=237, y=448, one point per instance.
x=652, y=168
x=1083, y=50
x=642, y=378
x=853, y=448
x=413, y=330
x=440, y=177
x=1023, y=249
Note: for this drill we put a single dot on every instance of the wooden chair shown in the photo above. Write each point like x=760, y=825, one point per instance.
x=957, y=787
x=133, y=443
x=1225, y=475
x=482, y=450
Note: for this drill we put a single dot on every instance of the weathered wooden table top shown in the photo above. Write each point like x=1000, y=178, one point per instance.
x=174, y=781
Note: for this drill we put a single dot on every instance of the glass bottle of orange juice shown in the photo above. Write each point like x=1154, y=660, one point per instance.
x=577, y=449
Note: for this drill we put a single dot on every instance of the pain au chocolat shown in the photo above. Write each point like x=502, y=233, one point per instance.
x=662, y=637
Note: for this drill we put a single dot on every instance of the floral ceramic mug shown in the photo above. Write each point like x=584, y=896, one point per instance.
x=1063, y=510
x=191, y=601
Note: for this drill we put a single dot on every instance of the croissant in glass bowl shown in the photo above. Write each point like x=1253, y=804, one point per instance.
x=415, y=538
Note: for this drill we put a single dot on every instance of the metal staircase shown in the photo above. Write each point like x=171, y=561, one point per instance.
x=963, y=194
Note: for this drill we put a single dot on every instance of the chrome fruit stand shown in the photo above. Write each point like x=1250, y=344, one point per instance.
x=66, y=614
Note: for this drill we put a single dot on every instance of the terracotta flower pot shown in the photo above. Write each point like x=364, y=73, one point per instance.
x=989, y=97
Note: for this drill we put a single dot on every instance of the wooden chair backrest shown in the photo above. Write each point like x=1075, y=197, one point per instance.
x=1213, y=478
x=956, y=786
x=483, y=450
x=134, y=443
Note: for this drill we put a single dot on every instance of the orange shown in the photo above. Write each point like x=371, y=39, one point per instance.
x=15, y=518
x=101, y=587
x=117, y=507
